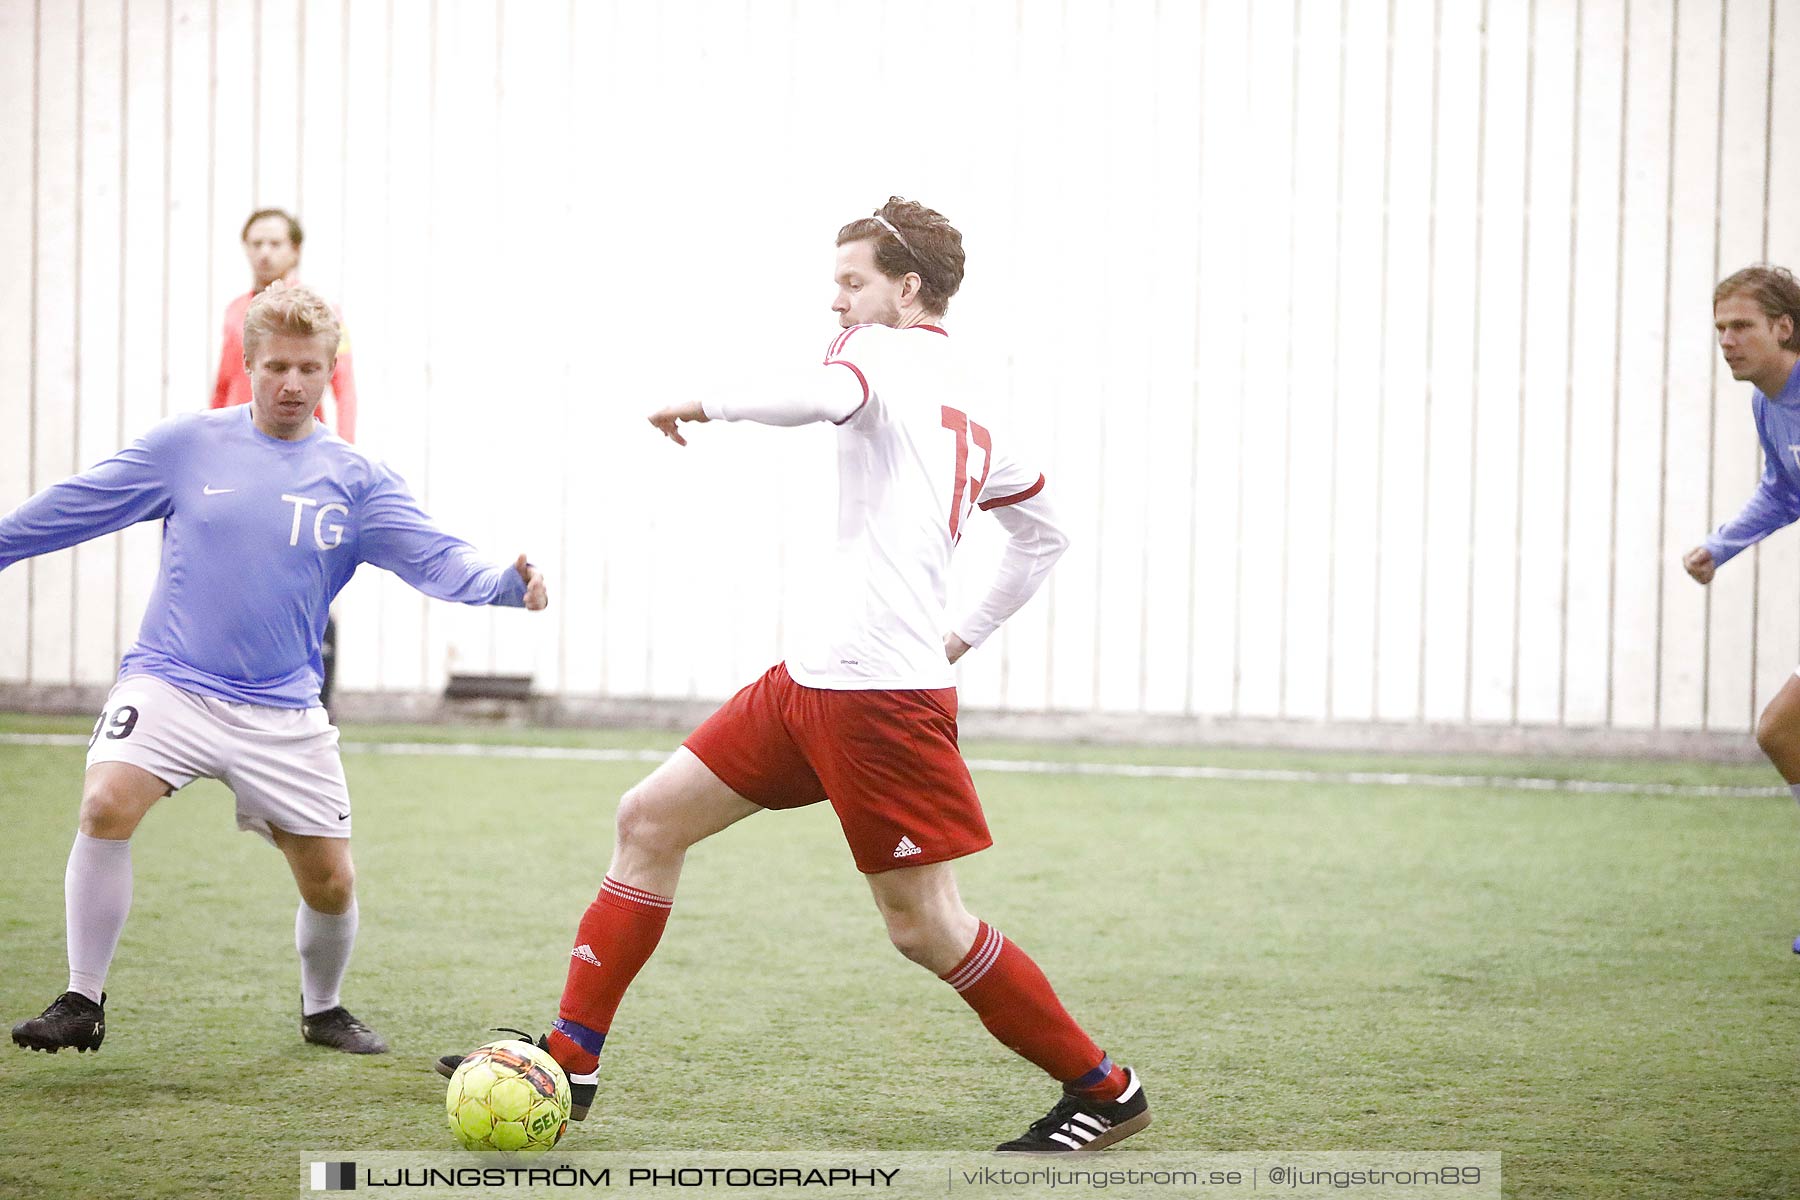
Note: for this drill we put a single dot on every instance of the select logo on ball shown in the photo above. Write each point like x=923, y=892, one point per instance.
x=508, y=1096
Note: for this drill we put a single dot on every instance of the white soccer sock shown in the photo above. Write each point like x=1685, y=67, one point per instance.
x=96, y=901
x=324, y=942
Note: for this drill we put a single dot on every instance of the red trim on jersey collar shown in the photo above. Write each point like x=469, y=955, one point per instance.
x=1016, y=497
x=935, y=329
x=837, y=343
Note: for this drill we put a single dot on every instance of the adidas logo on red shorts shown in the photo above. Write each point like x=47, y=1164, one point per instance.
x=906, y=848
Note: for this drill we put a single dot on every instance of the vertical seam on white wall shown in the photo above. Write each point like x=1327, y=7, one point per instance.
x=1103, y=549
x=1754, y=553
x=1568, y=473
x=1474, y=477
x=1662, y=492
x=1286, y=490
x=1428, y=403
x=426, y=613
x=168, y=196
x=300, y=108
x=118, y=543
x=80, y=207
x=256, y=50
x=1768, y=182
x=37, y=256
x=212, y=146
x=1337, y=366
x=1518, y=591
x=1193, y=591
x=1237, y=576
x=1612, y=535
x=1381, y=342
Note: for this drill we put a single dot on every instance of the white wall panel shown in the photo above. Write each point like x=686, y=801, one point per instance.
x=1448, y=341
x=1227, y=205
x=1643, y=274
x=1170, y=432
x=275, y=97
x=1406, y=307
x=1124, y=154
x=142, y=288
x=1267, y=297
x=1499, y=282
x=18, y=268
x=1743, y=148
x=1355, y=421
x=1365, y=346
x=1544, y=363
x=98, y=319
x=1691, y=359
x=1598, y=221
x=55, y=398
x=1306, y=616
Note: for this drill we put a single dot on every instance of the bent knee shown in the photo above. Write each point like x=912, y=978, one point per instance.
x=913, y=939
x=934, y=943
x=331, y=889
x=644, y=824
x=1775, y=732
x=110, y=811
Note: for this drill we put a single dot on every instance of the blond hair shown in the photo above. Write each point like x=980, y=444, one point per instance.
x=295, y=311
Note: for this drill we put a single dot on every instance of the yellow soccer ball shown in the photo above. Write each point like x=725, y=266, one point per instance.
x=508, y=1096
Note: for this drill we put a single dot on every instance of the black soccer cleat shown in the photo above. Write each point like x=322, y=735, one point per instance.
x=1081, y=1124
x=335, y=1027
x=72, y=1020
x=581, y=1095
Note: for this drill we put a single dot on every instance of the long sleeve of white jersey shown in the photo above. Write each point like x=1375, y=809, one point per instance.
x=833, y=394
x=1034, y=543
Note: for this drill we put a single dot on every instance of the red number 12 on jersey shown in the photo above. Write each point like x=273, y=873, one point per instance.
x=966, y=431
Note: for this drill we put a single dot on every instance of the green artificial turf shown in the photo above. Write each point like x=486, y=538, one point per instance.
x=1597, y=986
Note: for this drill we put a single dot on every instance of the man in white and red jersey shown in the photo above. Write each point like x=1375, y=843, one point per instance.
x=865, y=716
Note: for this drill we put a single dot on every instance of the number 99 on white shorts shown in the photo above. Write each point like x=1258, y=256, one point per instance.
x=281, y=764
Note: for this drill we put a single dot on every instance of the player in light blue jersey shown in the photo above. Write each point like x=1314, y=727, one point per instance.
x=1757, y=314
x=266, y=515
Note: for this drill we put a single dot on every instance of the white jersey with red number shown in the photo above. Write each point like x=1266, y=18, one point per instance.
x=915, y=459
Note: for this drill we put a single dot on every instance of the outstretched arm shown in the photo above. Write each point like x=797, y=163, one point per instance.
x=831, y=395
x=397, y=536
x=1034, y=543
x=119, y=491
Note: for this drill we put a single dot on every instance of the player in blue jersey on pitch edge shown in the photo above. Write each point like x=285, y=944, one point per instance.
x=266, y=515
x=1757, y=315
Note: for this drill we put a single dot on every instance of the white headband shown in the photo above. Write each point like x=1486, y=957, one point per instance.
x=889, y=226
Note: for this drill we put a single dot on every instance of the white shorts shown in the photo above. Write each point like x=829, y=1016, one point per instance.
x=282, y=764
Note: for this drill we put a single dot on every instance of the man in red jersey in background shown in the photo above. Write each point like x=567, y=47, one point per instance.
x=865, y=714
x=272, y=238
x=272, y=241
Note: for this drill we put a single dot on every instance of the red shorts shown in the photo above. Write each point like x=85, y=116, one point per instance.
x=887, y=761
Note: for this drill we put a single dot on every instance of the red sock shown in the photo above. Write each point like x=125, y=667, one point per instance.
x=1017, y=1004
x=614, y=940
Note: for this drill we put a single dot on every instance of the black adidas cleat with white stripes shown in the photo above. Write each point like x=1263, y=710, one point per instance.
x=1077, y=1123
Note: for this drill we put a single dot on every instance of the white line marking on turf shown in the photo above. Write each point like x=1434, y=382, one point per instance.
x=1016, y=766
